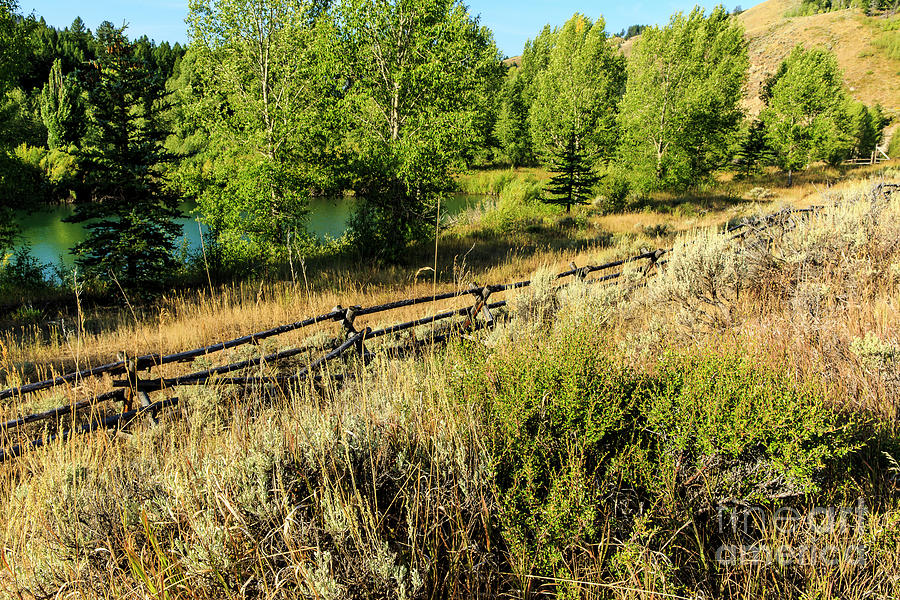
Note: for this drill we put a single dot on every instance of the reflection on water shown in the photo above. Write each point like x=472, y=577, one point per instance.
x=51, y=239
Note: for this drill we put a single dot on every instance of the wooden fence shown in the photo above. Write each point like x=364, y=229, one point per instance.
x=134, y=390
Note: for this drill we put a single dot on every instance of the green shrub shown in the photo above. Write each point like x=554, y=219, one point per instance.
x=614, y=191
x=519, y=207
x=23, y=273
x=486, y=182
x=580, y=440
x=894, y=147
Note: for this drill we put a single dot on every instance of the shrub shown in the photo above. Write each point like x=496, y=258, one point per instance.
x=518, y=207
x=23, y=273
x=582, y=441
x=486, y=182
x=614, y=190
x=702, y=279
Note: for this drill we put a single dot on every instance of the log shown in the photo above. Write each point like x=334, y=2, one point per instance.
x=122, y=420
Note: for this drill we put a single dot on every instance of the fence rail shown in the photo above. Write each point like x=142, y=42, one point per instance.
x=134, y=388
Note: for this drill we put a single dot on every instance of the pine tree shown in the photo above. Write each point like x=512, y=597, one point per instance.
x=573, y=177
x=753, y=150
x=130, y=220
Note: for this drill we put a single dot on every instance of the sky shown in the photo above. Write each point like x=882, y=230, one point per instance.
x=512, y=21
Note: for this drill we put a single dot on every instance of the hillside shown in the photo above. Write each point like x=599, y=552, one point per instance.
x=870, y=74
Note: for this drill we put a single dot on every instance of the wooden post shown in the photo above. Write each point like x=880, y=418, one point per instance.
x=347, y=317
x=134, y=392
x=580, y=274
x=361, y=348
x=652, y=261
x=481, y=306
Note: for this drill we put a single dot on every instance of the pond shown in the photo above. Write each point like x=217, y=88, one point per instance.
x=51, y=239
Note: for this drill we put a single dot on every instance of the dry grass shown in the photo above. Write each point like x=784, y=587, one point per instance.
x=387, y=487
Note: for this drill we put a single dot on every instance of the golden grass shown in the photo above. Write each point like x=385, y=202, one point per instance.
x=371, y=489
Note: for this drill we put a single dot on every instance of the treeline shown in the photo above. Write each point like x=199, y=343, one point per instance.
x=870, y=7
x=78, y=119
x=670, y=116
x=279, y=100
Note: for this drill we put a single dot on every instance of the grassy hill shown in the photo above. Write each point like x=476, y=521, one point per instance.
x=871, y=74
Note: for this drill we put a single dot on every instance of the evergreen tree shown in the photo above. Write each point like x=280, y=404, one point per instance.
x=130, y=220
x=61, y=108
x=573, y=177
x=753, y=150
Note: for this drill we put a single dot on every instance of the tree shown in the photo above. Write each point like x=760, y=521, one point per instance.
x=681, y=108
x=866, y=125
x=573, y=177
x=262, y=90
x=573, y=118
x=61, y=108
x=420, y=75
x=130, y=221
x=10, y=45
x=753, y=149
x=632, y=31
x=511, y=129
x=806, y=112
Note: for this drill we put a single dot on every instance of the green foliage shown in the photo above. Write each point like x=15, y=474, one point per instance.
x=518, y=207
x=573, y=178
x=811, y=7
x=579, y=439
x=729, y=409
x=806, y=112
x=10, y=45
x=257, y=84
x=45, y=176
x=681, y=108
x=416, y=106
x=21, y=119
x=614, y=189
x=894, y=148
x=753, y=149
x=632, y=31
x=889, y=39
x=61, y=109
x=511, y=128
x=130, y=219
x=555, y=411
x=486, y=182
x=866, y=128
x=573, y=115
x=22, y=274
x=8, y=231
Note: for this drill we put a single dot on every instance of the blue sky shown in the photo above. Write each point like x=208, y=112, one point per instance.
x=513, y=21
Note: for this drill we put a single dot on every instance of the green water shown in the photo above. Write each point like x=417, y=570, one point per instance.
x=51, y=239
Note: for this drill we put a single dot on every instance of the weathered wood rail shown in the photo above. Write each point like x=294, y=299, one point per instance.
x=135, y=388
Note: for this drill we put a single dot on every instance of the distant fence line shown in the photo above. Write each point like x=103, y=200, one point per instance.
x=133, y=391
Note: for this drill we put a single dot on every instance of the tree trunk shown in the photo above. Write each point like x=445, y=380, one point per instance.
x=790, y=177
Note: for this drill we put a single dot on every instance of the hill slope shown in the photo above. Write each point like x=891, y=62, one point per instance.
x=870, y=75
